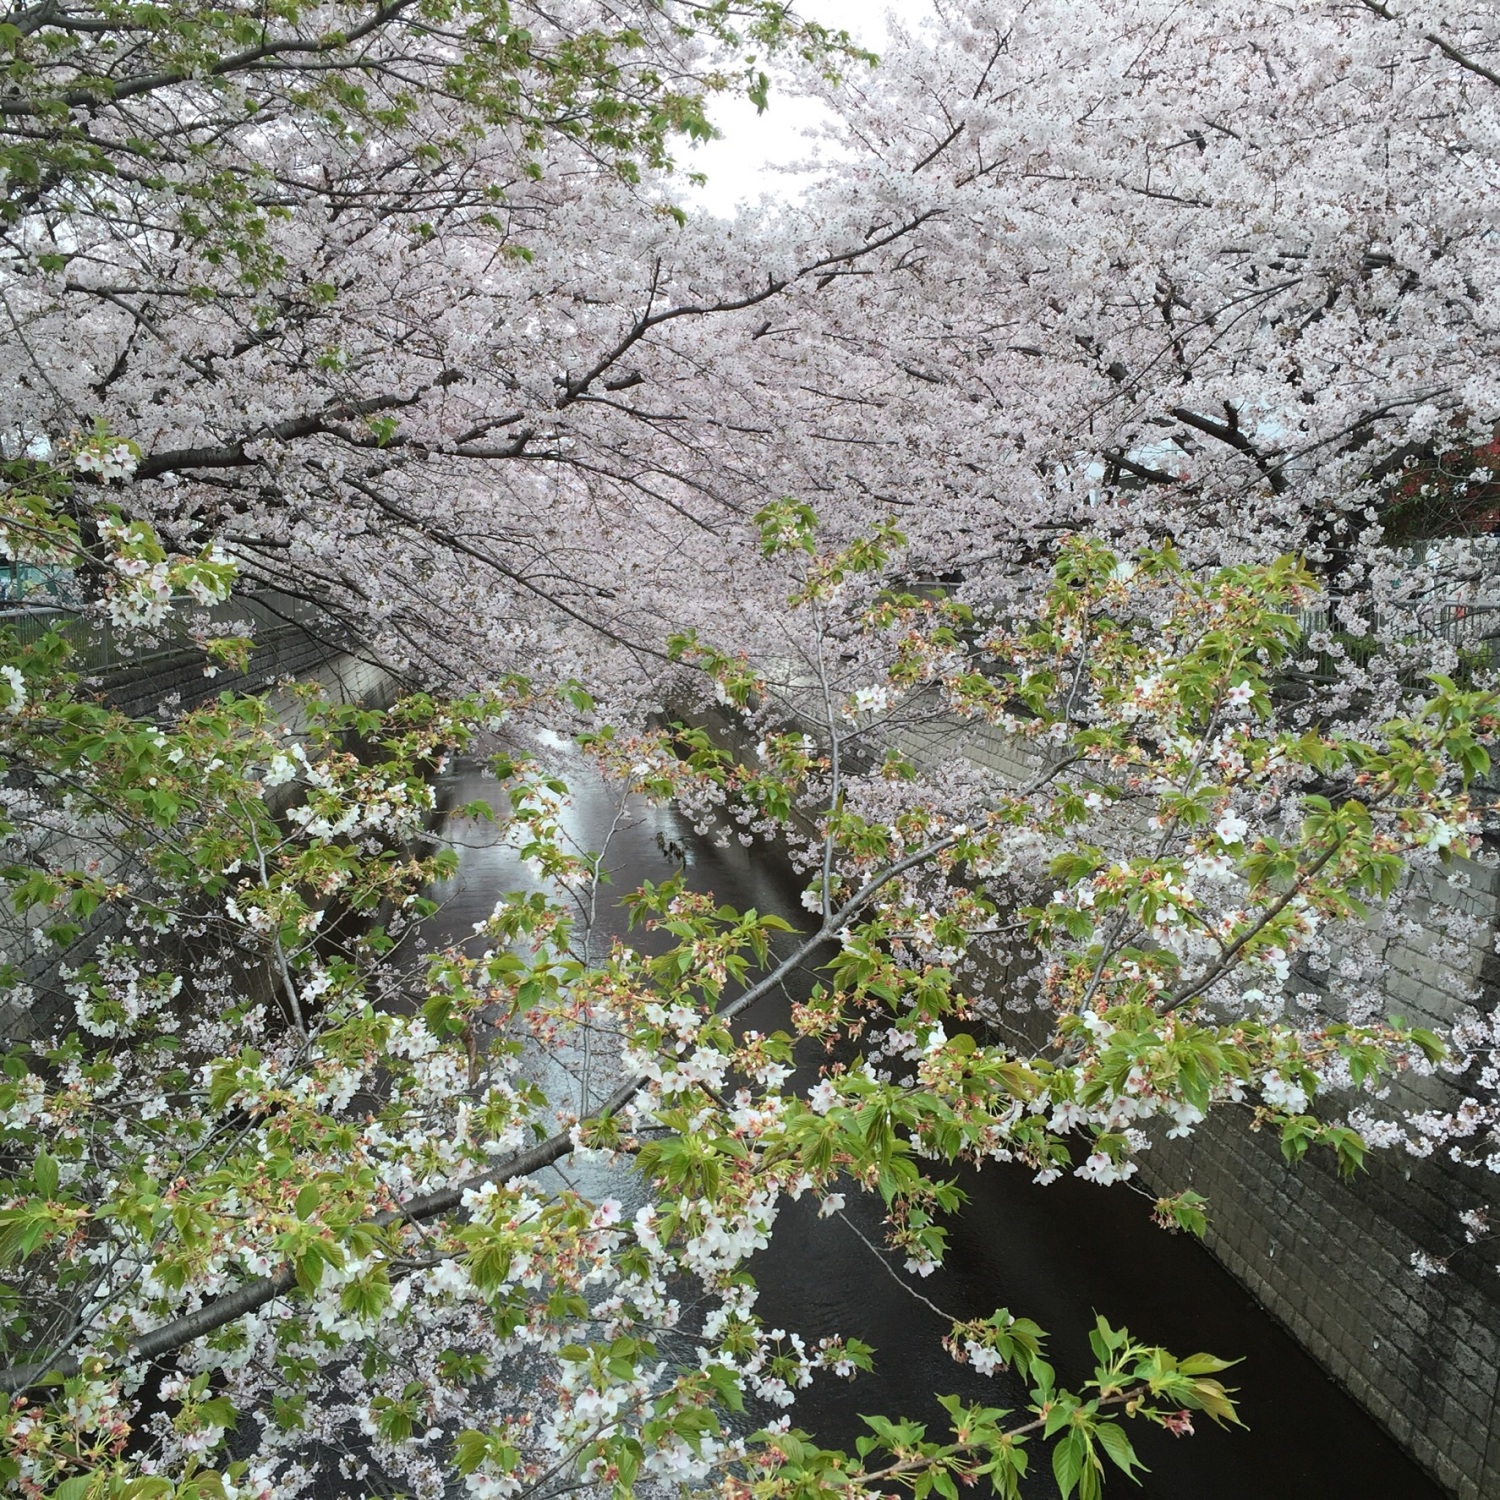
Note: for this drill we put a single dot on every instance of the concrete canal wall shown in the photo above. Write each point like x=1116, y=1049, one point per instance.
x=163, y=683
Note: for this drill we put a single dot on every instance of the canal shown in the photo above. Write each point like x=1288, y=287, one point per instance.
x=1058, y=1255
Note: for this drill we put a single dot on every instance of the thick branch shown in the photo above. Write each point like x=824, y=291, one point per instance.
x=575, y=388
x=1473, y=65
x=236, y=62
x=1230, y=433
x=232, y=455
x=256, y=1294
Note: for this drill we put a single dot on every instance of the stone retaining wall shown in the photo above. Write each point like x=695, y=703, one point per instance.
x=1332, y=1260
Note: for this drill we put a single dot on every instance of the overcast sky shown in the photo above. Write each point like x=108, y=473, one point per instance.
x=741, y=166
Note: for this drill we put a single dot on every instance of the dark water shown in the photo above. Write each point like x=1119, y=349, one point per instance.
x=1058, y=1255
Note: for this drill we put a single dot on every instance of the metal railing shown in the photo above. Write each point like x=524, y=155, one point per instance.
x=1470, y=627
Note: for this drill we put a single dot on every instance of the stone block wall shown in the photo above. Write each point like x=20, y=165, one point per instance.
x=1333, y=1260
x=178, y=682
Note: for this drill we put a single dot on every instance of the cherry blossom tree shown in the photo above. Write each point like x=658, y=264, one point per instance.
x=1214, y=273
x=276, y=1224
x=1117, y=310
x=350, y=276
x=417, y=321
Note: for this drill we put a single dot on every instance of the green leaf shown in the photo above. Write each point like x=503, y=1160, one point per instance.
x=45, y=1175
x=1116, y=1444
x=470, y=1449
x=78, y=1488
x=1432, y=1046
x=151, y=1488
x=1211, y=1397
x=1184, y=1211
x=1068, y=1462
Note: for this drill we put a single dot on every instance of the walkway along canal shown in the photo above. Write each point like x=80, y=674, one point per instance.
x=1057, y=1254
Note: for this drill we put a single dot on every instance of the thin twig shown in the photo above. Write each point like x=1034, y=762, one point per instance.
x=910, y=1291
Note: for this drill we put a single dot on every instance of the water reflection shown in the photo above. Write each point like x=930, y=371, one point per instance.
x=1056, y=1255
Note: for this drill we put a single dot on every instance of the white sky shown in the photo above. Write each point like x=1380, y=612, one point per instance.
x=742, y=166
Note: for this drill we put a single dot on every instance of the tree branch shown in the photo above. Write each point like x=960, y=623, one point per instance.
x=1441, y=43
x=236, y=62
